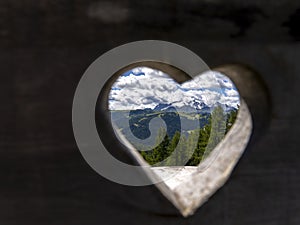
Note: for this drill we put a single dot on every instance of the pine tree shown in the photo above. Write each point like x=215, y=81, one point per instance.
x=218, y=128
x=192, y=141
x=160, y=152
x=175, y=158
x=231, y=119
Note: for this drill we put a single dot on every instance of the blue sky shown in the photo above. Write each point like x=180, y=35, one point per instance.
x=144, y=87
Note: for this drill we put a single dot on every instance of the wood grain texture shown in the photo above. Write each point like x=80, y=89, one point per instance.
x=45, y=46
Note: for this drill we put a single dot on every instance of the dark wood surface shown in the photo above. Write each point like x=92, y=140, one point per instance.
x=46, y=45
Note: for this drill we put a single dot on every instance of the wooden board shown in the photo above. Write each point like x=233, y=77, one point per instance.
x=46, y=45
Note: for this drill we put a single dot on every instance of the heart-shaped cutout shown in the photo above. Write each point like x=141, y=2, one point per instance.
x=197, y=113
x=195, y=116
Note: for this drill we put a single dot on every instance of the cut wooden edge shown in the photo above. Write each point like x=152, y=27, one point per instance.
x=198, y=184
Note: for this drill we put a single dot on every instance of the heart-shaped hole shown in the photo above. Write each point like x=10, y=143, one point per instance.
x=180, y=126
x=158, y=115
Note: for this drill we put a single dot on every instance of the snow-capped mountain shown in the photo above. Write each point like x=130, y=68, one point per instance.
x=196, y=107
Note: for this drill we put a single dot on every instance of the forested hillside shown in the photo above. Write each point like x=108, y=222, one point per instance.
x=213, y=127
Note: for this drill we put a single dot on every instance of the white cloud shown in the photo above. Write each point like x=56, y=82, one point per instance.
x=144, y=87
x=231, y=92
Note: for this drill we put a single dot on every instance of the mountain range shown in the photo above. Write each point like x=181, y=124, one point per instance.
x=137, y=121
x=201, y=108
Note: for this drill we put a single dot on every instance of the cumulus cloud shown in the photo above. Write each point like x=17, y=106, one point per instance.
x=143, y=87
x=231, y=92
